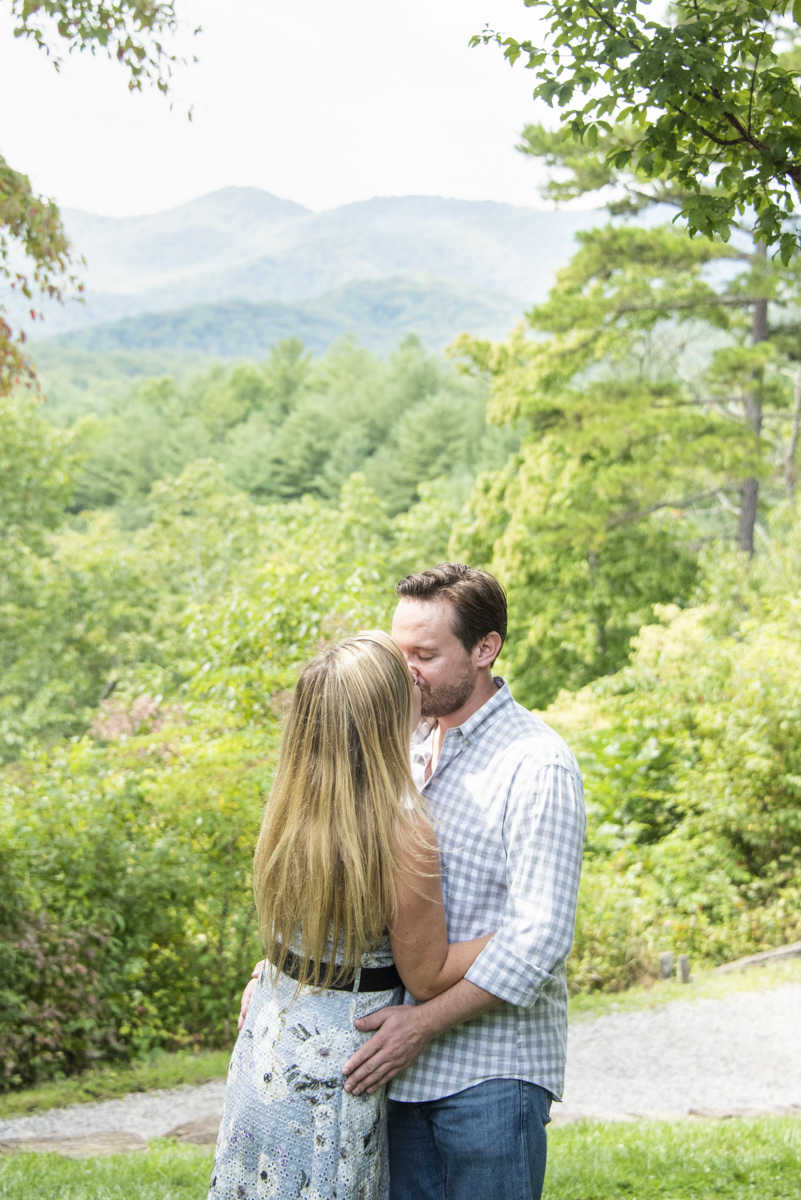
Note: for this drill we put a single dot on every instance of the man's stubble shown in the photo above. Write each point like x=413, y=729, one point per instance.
x=448, y=697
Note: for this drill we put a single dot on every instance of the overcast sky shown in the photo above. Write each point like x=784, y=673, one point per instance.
x=321, y=103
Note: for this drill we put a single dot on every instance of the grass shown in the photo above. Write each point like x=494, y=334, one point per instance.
x=682, y=1160
x=647, y=1160
x=587, y=1006
x=106, y=1082
x=165, y=1172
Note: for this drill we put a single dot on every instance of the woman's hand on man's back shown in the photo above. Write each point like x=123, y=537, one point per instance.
x=248, y=992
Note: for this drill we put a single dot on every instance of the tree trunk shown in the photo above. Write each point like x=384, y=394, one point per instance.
x=749, y=488
x=789, y=462
x=749, y=494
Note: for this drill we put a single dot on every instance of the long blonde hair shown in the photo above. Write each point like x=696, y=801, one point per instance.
x=340, y=810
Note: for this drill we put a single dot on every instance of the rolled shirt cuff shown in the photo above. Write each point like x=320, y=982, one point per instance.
x=502, y=973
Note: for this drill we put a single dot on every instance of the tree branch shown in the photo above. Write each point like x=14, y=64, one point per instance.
x=754, y=72
x=605, y=21
x=711, y=302
x=626, y=518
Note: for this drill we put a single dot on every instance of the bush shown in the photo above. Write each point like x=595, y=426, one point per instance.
x=127, y=917
x=692, y=769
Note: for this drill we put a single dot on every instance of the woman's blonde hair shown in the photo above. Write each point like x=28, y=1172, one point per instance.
x=340, y=811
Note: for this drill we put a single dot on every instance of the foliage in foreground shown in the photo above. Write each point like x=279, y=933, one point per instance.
x=643, y=1161
x=31, y=233
x=711, y=93
x=126, y=910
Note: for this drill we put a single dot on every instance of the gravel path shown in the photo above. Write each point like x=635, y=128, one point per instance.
x=740, y=1052
x=150, y=1114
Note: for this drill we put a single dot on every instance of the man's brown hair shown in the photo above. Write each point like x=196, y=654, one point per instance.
x=478, y=599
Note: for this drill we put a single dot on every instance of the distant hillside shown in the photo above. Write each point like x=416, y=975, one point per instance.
x=379, y=313
x=244, y=244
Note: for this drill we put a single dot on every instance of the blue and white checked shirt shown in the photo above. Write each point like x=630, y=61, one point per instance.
x=508, y=806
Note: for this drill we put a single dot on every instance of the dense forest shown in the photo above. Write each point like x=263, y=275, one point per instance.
x=171, y=551
x=291, y=426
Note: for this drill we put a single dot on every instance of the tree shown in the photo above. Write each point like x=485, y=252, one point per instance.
x=583, y=169
x=34, y=475
x=711, y=98
x=633, y=457
x=129, y=31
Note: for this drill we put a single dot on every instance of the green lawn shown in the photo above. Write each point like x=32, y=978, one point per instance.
x=682, y=1160
x=647, y=1160
x=165, y=1172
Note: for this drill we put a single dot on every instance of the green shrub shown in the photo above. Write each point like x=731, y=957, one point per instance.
x=692, y=767
x=126, y=912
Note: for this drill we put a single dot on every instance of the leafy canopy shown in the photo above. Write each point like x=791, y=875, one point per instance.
x=35, y=225
x=129, y=31
x=712, y=98
x=638, y=389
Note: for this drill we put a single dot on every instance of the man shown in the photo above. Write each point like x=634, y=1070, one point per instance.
x=474, y=1070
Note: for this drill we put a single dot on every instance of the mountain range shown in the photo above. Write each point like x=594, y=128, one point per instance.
x=380, y=268
x=378, y=313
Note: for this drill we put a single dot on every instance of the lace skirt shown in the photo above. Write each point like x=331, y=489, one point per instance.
x=289, y=1129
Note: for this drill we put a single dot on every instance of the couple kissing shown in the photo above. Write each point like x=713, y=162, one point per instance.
x=415, y=879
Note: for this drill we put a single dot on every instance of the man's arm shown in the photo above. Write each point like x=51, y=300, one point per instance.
x=544, y=835
x=404, y=1031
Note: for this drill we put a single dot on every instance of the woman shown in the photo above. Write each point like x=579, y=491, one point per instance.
x=345, y=859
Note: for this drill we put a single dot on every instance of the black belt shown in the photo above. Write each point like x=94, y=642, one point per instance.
x=372, y=979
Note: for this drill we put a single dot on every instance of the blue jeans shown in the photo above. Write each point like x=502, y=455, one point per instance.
x=488, y=1141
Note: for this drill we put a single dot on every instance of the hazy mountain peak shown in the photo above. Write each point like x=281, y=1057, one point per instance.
x=231, y=204
x=247, y=244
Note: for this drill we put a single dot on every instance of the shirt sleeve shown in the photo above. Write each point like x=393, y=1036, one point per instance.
x=544, y=827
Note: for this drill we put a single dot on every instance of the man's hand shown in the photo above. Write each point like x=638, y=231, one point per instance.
x=248, y=992
x=404, y=1031
x=400, y=1037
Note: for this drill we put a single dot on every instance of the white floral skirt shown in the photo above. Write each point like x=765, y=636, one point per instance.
x=289, y=1129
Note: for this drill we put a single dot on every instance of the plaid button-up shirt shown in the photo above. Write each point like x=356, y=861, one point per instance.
x=508, y=808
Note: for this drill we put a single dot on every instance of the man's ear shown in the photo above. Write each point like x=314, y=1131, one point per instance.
x=487, y=650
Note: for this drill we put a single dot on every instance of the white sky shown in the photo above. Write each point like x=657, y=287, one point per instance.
x=318, y=102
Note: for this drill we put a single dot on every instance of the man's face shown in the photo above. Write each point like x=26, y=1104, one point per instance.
x=445, y=672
